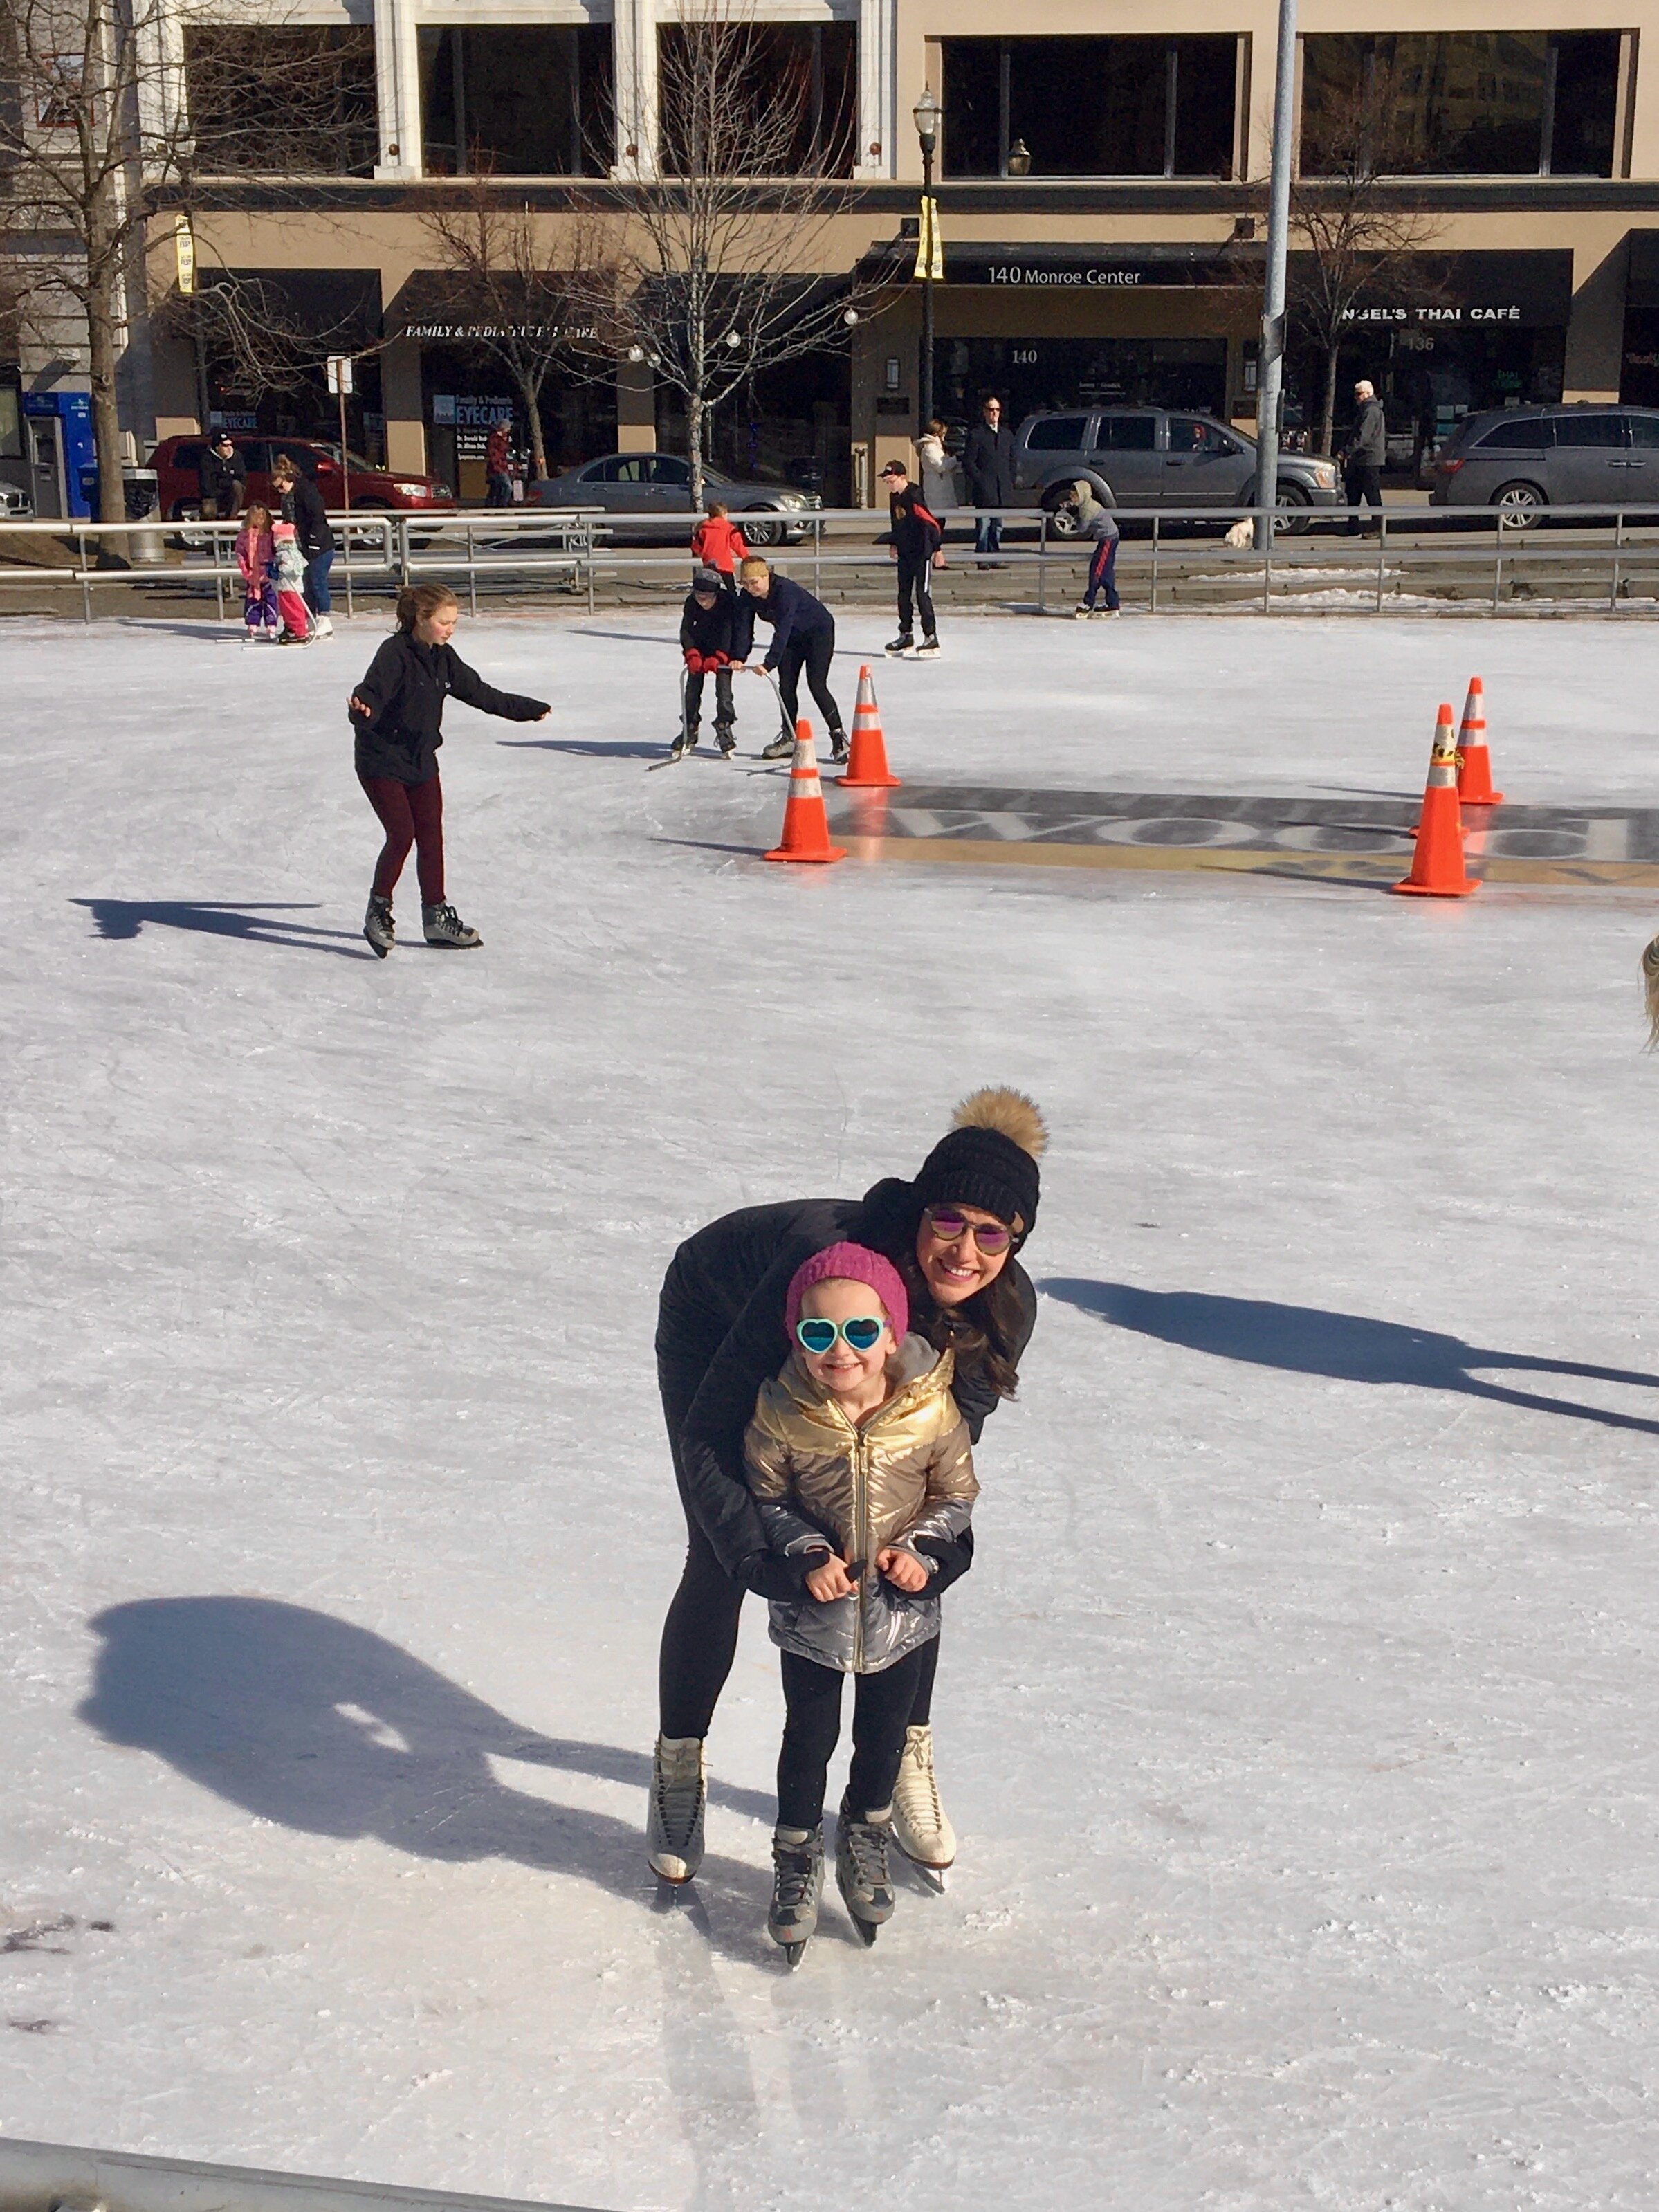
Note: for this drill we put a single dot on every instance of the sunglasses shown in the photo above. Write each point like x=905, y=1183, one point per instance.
x=862, y=1333
x=944, y=1223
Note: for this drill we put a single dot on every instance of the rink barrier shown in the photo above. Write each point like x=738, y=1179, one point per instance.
x=36, y=2177
x=1467, y=559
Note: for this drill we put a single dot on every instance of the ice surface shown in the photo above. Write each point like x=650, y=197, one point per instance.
x=1298, y=1719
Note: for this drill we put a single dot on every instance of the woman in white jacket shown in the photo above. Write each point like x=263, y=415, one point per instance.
x=938, y=472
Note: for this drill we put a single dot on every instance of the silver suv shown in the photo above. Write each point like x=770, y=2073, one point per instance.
x=1153, y=457
x=1522, y=459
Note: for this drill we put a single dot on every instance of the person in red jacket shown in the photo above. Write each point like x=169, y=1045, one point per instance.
x=718, y=544
x=705, y=642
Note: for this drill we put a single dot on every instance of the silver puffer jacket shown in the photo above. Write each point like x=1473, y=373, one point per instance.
x=904, y=1471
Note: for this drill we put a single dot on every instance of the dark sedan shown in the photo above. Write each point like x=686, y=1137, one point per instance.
x=644, y=486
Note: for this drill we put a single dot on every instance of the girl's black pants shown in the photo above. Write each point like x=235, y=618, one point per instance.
x=883, y=1705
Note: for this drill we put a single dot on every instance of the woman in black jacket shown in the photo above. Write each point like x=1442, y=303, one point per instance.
x=302, y=505
x=397, y=711
x=720, y=1334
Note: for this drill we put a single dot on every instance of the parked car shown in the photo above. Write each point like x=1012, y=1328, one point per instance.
x=178, y=465
x=651, y=484
x=1523, y=459
x=1153, y=457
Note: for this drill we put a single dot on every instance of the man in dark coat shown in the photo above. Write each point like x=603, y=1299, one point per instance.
x=987, y=462
x=224, y=480
x=1364, y=454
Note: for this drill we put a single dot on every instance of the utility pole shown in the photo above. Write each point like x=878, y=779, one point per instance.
x=926, y=113
x=1270, y=374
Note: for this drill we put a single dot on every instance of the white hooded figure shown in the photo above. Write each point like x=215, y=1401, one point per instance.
x=939, y=489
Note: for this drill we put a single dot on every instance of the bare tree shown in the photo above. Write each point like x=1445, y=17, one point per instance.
x=719, y=235
x=114, y=109
x=534, y=320
x=1355, y=229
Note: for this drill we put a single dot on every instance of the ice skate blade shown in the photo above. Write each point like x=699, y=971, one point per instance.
x=793, y=1954
x=865, y=1931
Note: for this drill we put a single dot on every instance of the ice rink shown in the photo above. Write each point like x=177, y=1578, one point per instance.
x=1297, y=1717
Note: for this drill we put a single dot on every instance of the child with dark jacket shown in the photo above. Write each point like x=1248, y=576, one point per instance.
x=397, y=712
x=706, y=622
x=917, y=539
x=803, y=638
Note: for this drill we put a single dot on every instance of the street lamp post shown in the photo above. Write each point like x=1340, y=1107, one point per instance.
x=1270, y=366
x=926, y=112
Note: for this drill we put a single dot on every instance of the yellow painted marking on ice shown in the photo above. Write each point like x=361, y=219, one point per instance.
x=1334, y=867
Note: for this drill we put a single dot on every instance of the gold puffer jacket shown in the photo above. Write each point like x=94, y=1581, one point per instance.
x=905, y=1471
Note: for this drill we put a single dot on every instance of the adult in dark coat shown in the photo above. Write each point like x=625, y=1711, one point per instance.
x=987, y=462
x=803, y=640
x=397, y=711
x=1365, y=454
x=302, y=505
x=720, y=1334
x=224, y=480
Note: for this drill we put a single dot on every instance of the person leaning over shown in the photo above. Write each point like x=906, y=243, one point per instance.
x=1364, y=454
x=987, y=462
x=1098, y=525
x=803, y=637
x=302, y=505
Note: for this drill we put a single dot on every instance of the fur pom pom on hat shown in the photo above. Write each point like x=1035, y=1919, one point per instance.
x=989, y=1158
x=850, y=1263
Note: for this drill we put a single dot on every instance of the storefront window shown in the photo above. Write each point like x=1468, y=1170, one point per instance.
x=1461, y=103
x=1090, y=107
x=293, y=100
x=1045, y=375
x=805, y=69
x=530, y=101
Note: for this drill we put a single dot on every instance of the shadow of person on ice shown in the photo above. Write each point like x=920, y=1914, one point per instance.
x=321, y=1727
x=1346, y=1347
x=122, y=919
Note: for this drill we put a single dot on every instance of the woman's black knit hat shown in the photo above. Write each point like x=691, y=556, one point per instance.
x=989, y=1158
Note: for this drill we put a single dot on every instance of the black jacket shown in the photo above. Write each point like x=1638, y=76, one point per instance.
x=790, y=610
x=916, y=533
x=707, y=630
x=723, y=1303
x=303, y=506
x=1368, y=441
x=406, y=688
x=987, y=462
x=224, y=482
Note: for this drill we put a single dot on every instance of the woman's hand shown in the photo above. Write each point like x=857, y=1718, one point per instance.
x=361, y=707
x=546, y=712
x=902, y=1568
x=939, y=557
x=830, y=1581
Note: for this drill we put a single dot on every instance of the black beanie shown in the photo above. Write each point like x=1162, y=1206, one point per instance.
x=988, y=1160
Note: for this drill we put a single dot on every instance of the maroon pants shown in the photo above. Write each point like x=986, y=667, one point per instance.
x=410, y=814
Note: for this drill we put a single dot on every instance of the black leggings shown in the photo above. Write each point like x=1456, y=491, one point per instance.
x=882, y=1707
x=812, y=652
x=700, y=1635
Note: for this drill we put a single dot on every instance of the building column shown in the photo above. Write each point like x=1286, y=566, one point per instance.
x=398, y=85
x=635, y=36
x=1595, y=327
x=876, y=155
x=405, y=409
x=636, y=408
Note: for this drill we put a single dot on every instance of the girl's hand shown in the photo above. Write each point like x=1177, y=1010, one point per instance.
x=546, y=712
x=902, y=1568
x=830, y=1581
x=361, y=707
x=939, y=557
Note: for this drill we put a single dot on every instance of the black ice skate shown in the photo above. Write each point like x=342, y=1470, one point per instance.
x=443, y=926
x=377, y=926
x=904, y=643
x=797, y=1885
x=781, y=747
x=725, y=740
x=861, y=1872
x=837, y=747
x=928, y=649
x=686, y=741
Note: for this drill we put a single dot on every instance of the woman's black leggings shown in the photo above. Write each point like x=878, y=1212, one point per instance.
x=700, y=1635
x=812, y=652
x=882, y=1707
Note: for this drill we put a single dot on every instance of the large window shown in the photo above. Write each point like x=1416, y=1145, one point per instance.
x=529, y=101
x=1461, y=103
x=1090, y=107
x=292, y=101
x=788, y=94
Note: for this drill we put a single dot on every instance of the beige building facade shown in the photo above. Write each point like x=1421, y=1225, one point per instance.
x=1101, y=181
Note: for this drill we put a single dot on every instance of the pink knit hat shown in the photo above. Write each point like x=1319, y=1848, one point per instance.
x=850, y=1263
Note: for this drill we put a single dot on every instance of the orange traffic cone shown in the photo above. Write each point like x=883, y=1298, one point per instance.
x=1473, y=760
x=806, y=825
x=867, y=766
x=1437, y=870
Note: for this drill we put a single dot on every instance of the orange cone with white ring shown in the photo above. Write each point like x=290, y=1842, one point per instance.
x=806, y=825
x=866, y=764
x=1438, y=869
x=1473, y=760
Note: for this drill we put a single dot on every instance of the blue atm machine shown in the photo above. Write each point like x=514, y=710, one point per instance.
x=57, y=437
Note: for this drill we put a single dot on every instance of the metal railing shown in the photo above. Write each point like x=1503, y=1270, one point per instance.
x=1171, y=559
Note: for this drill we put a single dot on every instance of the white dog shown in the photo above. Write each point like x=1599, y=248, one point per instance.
x=1241, y=536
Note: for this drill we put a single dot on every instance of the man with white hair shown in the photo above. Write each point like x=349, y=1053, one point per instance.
x=1364, y=454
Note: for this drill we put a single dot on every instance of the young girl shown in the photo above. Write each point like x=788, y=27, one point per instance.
x=254, y=553
x=397, y=711
x=856, y=1452
x=719, y=544
x=289, y=564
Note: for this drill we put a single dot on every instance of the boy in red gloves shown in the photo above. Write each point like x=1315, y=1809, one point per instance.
x=705, y=642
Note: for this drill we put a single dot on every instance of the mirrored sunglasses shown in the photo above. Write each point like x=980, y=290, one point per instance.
x=863, y=1332
x=949, y=1226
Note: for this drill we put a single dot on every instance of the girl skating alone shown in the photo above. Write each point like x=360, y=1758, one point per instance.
x=1099, y=525
x=855, y=1455
x=256, y=556
x=397, y=711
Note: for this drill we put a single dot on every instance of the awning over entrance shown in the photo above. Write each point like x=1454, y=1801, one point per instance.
x=441, y=306
x=1525, y=291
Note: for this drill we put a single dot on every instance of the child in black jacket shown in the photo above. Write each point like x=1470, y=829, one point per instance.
x=705, y=626
x=917, y=539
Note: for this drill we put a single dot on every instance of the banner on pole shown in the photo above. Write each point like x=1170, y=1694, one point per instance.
x=930, y=245
x=184, y=248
